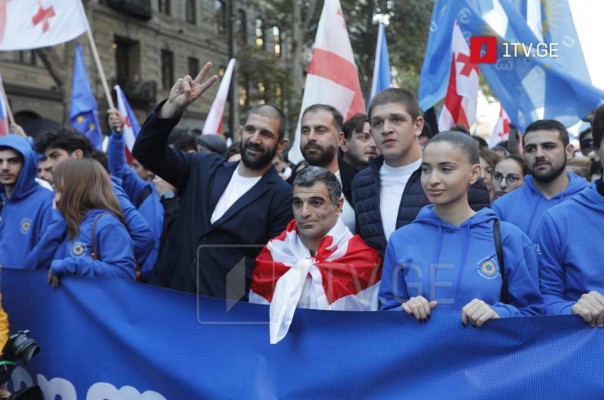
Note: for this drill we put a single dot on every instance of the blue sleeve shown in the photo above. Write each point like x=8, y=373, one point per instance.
x=138, y=227
x=44, y=251
x=153, y=212
x=552, y=279
x=116, y=258
x=131, y=182
x=392, y=286
x=524, y=297
x=496, y=206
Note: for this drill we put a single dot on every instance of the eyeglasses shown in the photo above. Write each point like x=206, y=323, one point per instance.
x=511, y=179
x=587, y=143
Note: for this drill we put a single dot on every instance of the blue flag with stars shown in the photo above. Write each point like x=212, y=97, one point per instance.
x=83, y=113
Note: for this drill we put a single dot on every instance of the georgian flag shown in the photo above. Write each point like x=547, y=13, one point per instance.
x=501, y=131
x=131, y=125
x=462, y=92
x=332, y=74
x=343, y=275
x=213, y=124
x=31, y=24
x=3, y=112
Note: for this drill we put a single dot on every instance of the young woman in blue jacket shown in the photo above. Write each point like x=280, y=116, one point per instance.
x=97, y=241
x=448, y=258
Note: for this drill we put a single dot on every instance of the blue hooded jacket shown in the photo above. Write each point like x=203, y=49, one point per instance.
x=150, y=208
x=524, y=206
x=28, y=211
x=112, y=243
x=570, y=239
x=453, y=265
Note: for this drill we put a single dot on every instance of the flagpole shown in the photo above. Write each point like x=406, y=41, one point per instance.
x=97, y=59
x=5, y=100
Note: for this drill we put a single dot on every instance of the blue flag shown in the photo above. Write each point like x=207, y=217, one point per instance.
x=83, y=113
x=529, y=87
x=381, y=69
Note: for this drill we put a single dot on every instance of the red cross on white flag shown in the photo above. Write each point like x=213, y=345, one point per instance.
x=501, y=131
x=31, y=24
x=462, y=92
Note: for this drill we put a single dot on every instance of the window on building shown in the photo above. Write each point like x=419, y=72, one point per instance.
x=260, y=42
x=191, y=11
x=243, y=95
x=193, y=66
x=261, y=93
x=242, y=25
x=27, y=57
x=221, y=16
x=277, y=40
x=167, y=69
x=164, y=6
x=127, y=59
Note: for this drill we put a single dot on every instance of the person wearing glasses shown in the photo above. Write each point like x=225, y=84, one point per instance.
x=508, y=175
x=546, y=152
x=586, y=142
x=571, y=276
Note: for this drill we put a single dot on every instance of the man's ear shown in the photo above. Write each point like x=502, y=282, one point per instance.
x=570, y=151
x=282, y=146
x=419, y=125
x=78, y=153
x=340, y=204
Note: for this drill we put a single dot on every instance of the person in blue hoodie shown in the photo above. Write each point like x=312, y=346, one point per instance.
x=448, y=256
x=546, y=150
x=27, y=206
x=571, y=275
x=63, y=144
x=97, y=241
x=140, y=192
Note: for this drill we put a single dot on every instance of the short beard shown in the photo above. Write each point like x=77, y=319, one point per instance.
x=259, y=162
x=321, y=159
x=550, y=175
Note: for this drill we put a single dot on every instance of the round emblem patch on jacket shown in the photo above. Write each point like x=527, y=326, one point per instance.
x=488, y=268
x=78, y=249
x=25, y=225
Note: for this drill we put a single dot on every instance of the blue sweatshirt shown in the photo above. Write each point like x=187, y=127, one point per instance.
x=27, y=213
x=453, y=265
x=570, y=239
x=150, y=208
x=113, y=246
x=525, y=206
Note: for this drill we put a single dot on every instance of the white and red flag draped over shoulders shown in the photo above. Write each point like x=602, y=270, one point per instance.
x=501, y=131
x=332, y=74
x=31, y=24
x=462, y=91
x=343, y=275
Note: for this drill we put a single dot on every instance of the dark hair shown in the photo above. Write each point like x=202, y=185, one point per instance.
x=583, y=133
x=426, y=131
x=101, y=158
x=489, y=156
x=63, y=138
x=338, y=120
x=460, y=128
x=310, y=175
x=597, y=126
x=354, y=124
x=270, y=111
x=233, y=149
x=396, y=95
x=459, y=141
x=519, y=160
x=548, y=125
x=482, y=144
x=182, y=140
x=17, y=152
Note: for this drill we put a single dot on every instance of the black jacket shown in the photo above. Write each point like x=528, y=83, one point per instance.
x=366, y=195
x=200, y=256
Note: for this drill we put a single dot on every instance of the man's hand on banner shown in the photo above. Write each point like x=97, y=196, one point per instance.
x=420, y=307
x=185, y=91
x=116, y=120
x=591, y=308
x=477, y=312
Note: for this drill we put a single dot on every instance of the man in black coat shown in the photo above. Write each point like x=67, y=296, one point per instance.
x=228, y=210
x=388, y=194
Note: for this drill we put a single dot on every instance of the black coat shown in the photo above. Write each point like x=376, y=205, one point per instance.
x=200, y=256
x=366, y=194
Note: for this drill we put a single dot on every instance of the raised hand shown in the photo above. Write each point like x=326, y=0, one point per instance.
x=591, y=308
x=477, y=312
x=420, y=307
x=17, y=130
x=116, y=120
x=185, y=91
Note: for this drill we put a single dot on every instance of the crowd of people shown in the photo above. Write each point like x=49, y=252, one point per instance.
x=380, y=215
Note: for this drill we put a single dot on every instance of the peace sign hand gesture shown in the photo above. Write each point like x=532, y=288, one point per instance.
x=185, y=91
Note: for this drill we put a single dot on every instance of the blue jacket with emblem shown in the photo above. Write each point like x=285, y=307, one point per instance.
x=569, y=236
x=525, y=206
x=113, y=245
x=28, y=211
x=456, y=264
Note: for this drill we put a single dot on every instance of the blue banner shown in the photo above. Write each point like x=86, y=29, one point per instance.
x=112, y=339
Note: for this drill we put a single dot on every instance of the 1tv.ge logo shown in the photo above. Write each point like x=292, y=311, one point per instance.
x=483, y=50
